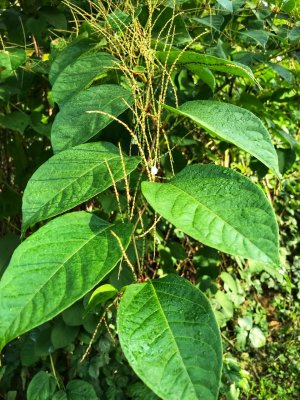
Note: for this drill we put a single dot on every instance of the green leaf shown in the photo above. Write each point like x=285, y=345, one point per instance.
x=220, y=208
x=234, y=124
x=5, y=65
x=82, y=116
x=80, y=74
x=63, y=335
x=68, y=56
x=170, y=337
x=17, y=121
x=205, y=74
x=139, y=391
x=226, y=304
x=195, y=62
x=294, y=34
x=118, y=20
x=55, y=267
x=80, y=390
x=72, y=316
x=10, y=60
x=256, y=36
x=285, y=73
x=41, y=387
x=71, y=177
x=100, y=296
x=288, y=5
x=290, y=140
x=227, y=4
x=61, y=395
x=212, y=21
x=17, y=57
x=167, y=26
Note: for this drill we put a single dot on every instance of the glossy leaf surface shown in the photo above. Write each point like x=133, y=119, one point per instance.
x=170, y=337
x=71, y=177
x=81, y=73
x=79, y=120
x=234, y=124
x=220, y=208
x=54, y=267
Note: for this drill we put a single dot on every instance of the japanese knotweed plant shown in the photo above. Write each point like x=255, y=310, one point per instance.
x=166, y=326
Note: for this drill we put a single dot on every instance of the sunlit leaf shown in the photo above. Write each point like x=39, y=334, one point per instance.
x=55, y=267
x=220, y=208
x=170, y=337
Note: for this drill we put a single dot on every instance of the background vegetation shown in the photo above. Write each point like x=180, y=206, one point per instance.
x=257, y=308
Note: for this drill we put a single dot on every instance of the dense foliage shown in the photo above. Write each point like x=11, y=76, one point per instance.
x=149, y=214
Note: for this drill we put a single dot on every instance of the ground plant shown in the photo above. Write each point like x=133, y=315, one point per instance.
x=149, y=199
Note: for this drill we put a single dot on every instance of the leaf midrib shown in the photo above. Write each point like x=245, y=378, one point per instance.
x=65, y=187
x=55, y=272
x=172, y=336
x=214, y=213
x=225, y=136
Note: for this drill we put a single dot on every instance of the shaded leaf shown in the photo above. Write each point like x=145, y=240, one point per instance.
x=212, y=21
x=80, y=390
x=294, y=34
x=79, y=120
x=17, y=121
x=257, y=36
x=63, y=335
x=41, y=387
x=285, y=73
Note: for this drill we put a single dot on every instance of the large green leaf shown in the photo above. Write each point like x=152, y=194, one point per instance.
x=71, y=177
x=76, y=122
x=68, y=56
x=170, y=337
x=54, y=267
x=196, y=62
x=80, y=73
x=234, y=124
x=219, y=207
